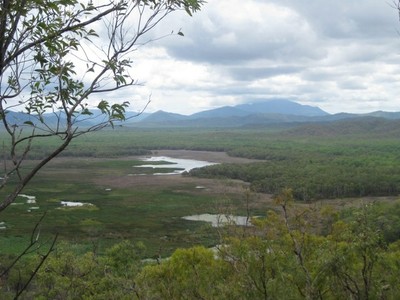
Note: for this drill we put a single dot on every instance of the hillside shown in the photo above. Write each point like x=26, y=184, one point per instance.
x=363, y=125
x=282, y=106
x=260, y=113
x=272, y=113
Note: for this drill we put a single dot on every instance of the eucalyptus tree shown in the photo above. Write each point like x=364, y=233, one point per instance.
x=57, y=57
x=65, y=59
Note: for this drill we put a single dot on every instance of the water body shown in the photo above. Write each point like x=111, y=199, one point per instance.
x=220, y=220
x=72, y=204
x=177, y=165
x=29, y=199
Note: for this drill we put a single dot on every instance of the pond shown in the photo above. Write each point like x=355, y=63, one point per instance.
x=72, y=204
x=29, y=199
x=177, y=165
x=220, y=220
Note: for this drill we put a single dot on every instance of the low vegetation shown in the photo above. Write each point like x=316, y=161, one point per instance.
x=327, y=223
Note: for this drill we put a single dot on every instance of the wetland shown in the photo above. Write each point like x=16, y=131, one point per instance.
x=240, y=173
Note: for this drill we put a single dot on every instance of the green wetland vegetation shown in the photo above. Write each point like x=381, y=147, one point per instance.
x=325, y=197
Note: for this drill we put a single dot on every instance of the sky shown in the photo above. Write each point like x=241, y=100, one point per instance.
x=339, y=55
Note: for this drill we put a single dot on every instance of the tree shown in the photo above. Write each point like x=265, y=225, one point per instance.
x=69, y=274
x=57, y=55
x=192, y=273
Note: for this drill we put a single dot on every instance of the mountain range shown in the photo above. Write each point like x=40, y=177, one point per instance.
x=264, y=113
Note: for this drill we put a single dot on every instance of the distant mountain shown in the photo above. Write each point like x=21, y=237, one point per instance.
x=19, y=118
x=385, y=115
x=222, y=112
x=137, y=117
x=162, y=116
x=276, y=112
x=282, y=106
x=58, y=119
x=16, y=118
x=266, y=112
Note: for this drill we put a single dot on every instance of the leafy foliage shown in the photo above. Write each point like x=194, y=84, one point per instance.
x=54, y=57
x=282, y=256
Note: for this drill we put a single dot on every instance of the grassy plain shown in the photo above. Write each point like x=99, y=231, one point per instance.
x=125, y=206
x=99, y=169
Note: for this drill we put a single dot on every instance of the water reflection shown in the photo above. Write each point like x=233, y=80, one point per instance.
x=220, y=220
x=177, y=165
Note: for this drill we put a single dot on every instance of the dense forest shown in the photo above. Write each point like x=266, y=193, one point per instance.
x=330, y=160
x=290, y=254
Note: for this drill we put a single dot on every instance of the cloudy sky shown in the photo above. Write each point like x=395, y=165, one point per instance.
x=339, y=55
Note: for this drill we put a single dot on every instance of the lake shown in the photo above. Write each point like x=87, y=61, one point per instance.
x=177, y=165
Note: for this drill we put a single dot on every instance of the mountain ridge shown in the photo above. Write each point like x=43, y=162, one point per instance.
x=258, y=114
x=263, y=113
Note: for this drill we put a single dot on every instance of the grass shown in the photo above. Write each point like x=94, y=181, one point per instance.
x=152, y=213
x=153, y=216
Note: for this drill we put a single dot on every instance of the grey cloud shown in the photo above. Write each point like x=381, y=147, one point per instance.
x=221, y=39
x=253, y=48
x=251, y=73
x=318, y=74
x=343, y=19
x=325, y=50
x=307, y=32
x=352, y=84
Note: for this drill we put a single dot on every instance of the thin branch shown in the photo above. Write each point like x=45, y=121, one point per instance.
x=39, y=265
x=70, y=28
x=27, y=250
x=10, y=198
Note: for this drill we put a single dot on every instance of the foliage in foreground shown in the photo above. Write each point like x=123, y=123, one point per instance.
x=295, y=254
x=69, y=275
x=283, y=257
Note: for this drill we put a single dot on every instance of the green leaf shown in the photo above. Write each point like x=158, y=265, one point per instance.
x=86, y=112
x=103, y=106
x=29, y=123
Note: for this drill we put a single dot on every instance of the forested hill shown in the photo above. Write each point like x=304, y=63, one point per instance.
x=264, y=113
x=360, y=126
x=269, y=113
x=272, y=113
